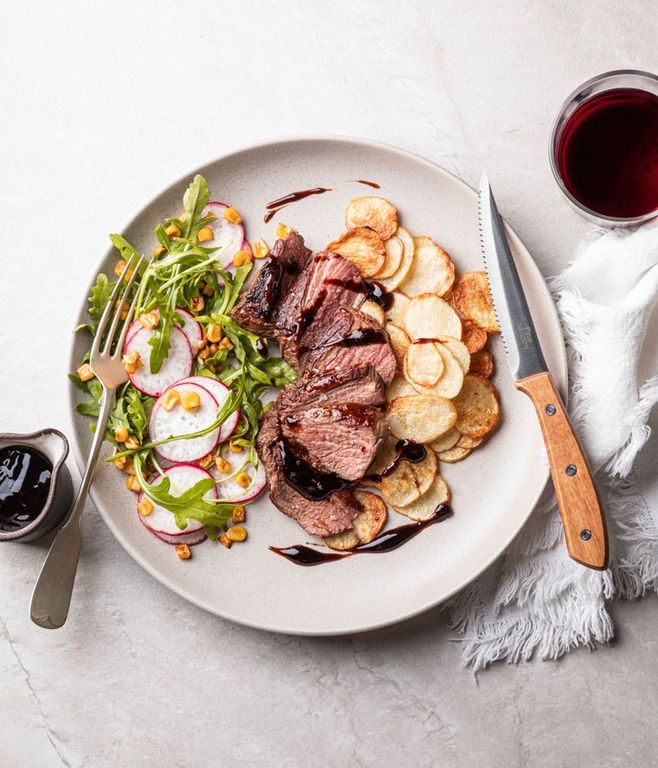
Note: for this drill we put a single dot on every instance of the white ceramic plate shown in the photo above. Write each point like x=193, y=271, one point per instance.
x=493, y=491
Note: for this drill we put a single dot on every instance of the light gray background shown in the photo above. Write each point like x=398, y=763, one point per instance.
x=101, y=106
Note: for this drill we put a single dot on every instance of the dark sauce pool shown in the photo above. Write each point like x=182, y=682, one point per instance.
x=25, y=475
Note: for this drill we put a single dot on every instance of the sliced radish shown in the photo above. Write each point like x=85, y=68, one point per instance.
x=162, y=522
x=227, y=487
x=220, y=392
x=188, y=325
x=178, y=421
x=176, y=365
x=227, y=236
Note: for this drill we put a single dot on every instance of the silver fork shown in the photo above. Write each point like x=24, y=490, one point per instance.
x=51, y=598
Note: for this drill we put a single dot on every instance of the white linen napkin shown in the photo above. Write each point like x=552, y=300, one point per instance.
x=536, y=599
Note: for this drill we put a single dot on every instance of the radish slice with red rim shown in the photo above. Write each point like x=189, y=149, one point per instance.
x=164, y=424
x=176, y=365
x=228, y=237
x=162, y=522
x=185, y=321
x=220, y=392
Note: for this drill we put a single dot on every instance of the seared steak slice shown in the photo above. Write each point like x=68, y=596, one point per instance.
x=319, y=517
x=257, y=307
x=350, y=339
x=342, y=439
x=360, y=385
x=329, y=281
x=339, y=424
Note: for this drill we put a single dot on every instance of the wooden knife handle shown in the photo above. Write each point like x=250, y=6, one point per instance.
x=577, y=499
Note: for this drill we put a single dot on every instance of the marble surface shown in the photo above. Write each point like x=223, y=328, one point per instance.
x=102, y=105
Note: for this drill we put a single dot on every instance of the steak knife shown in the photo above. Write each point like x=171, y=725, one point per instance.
x=577, y=498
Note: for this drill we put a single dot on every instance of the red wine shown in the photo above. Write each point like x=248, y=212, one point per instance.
x=608, y=153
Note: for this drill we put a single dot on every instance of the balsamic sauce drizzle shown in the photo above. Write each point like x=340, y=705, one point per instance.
x=372, y=184
x=299, y=554
x=274, y=206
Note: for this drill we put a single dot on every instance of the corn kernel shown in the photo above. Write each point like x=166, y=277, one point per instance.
x=171, y=399
x=84, y=372
x=120, y=266
x=158, y=251
x=145, y=507
x=205, y=234
x=233, y=216
x=206, y=461
x=241, y=257
x=282, y=231
x=199, y=345
x=260, y=249
x=237, y=533
x=132, y=361
x=213, y=348
x=224, y=539
x=172, y=230
x=197, y=303
x=243, y=480
x=150, y=320
x=234, y=447
x=204, y=353
x=129, y=467
x=208, y=290
x=239, y=514
x=226, y=343
x=132, y=484
x=120, y=463
x=132, y=443
x=214, y=332
x=124, y=309
x=191, y=401
x=222, y=465
x=120, y=434
x=183, y=551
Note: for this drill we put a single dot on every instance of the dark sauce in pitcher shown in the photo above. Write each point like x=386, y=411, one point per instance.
x=25, y=475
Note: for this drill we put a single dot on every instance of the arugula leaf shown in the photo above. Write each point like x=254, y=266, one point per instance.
x=126, y=250
x=97, y=301
x=194, y=201
x=135, y=406
x=190, y=504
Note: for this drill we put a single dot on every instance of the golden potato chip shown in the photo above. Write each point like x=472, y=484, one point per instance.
x=393, y=258
x=432, y=270
x=482, y=363
x=472, y=297
x=374, y=212
x=399, y=342
x=469, y=442
x=421, y=418
x=459, y=351
x=473, y=336
x=399, y=387
x=449, y=440
x=374, y=310
x=363, y=247
x=398, y=309
x=386, y=453
x=455, y=454
x=429, y=317
x=392, y=282
x=409, y=480
x=423, y=363
x=477, y=407
x=370, y=522
x=451, y=379
x=342, y=542
x=424, y=507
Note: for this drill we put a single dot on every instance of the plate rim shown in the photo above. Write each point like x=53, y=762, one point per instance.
x=561, y=378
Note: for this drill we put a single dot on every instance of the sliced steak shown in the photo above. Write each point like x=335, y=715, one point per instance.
x=354, y=339
x=329, y=281
x=361, y=385
x=335, y=422
x=256, y=310
x=318, y=517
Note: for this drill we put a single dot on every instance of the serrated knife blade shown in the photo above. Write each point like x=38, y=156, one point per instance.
x=577, y=498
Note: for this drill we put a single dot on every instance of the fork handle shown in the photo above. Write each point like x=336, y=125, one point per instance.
x=51, y=598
